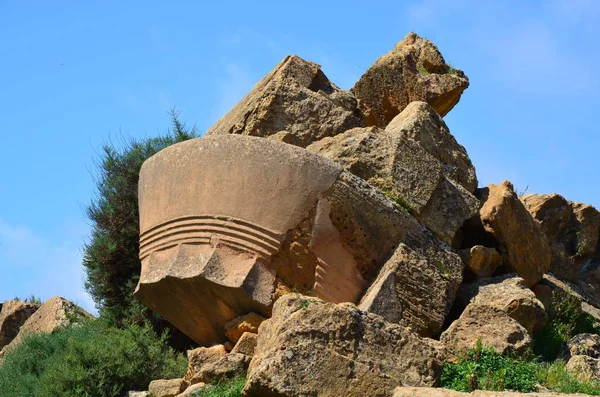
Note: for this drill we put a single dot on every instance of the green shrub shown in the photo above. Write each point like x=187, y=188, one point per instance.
x=111, y=256
x=555, y=377
x=229, y=388
x=91, y=359
x=568, y=320
x=481, y=368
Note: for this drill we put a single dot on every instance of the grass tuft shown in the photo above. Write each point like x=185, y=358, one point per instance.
x=229, y=388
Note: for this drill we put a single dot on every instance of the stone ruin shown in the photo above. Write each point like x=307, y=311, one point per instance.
x=360, y=196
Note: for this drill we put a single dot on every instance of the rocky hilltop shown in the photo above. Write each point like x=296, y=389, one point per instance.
x=324, y=242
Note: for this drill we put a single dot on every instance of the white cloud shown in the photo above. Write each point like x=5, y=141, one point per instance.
x=32, y=264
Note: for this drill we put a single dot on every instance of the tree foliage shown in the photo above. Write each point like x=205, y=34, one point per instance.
x=111, y=255
x=91, y=359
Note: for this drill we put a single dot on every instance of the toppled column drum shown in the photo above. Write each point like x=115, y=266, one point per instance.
x=229, y=222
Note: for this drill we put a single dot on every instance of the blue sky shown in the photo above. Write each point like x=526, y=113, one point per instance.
x=76, y=74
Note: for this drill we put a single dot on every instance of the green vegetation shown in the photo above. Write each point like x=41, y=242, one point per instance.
x=111, y=256
x=556, y=378
x=484, y=369
x=568, y=320
x=92, y=359
x=451, y=70
x=228, y=388
x=31, y=299
x=422, y=70
x=386, y=187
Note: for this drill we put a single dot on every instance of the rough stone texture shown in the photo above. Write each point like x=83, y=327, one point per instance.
x=415, y=158
x=420, y=123
x=202, y=356
x=166, y=388
x=520, y=240
x=585, y=368
x=492, y=325
x=295, y=100
x=230, y=366
x=12, y=316
x=481, y=261
x=54, y=313
x=432, y=392
x=310, y=347
x=573, y=230
x=412, y=291
x=550, y=286
x=246, y=344
x=582, y=345
x=235, y=328
x=509, y=294
x=236, y=220
x=192, y=389
x=413, y=71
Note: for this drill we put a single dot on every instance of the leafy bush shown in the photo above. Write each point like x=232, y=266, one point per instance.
x=568, y=320
x=111, y=256
x=481, y=368
x=230, y=388
x=91, y=359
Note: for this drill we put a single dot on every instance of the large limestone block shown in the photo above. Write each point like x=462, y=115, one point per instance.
x=414, y=292
x=420, y=123
x=584, y=368
x=509, y=294
x=310, y=347
x=493, y=326
x=416, y=159
x=54, y=313
x=235, y=328
x=12, y=316
x=295, y=98
x=518, y=237
x=229, y=221
x=413, y=71
x=572, y=229
x=434, y=392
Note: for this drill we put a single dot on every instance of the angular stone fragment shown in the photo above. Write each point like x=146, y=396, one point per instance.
x=481, y=261
x=310, y=347
x=295, y=97
x=192, y=390
x=414, y=292
x=413, y=71
x=518, y=237
x=233, y=220
x=584, y=368
x=235, y=328
x=492, y=325
x=573, y=230
x=509, y=294
x=53, y=314
x=230, y=366
x=582, y=345
x=246, y=344
x=12, y=316
x=416, y=160
x=166, y=388
x=202, y=356
x=420, y=123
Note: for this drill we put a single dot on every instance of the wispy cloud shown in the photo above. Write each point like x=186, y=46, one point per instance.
x=231, y=87
x=31, y=264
